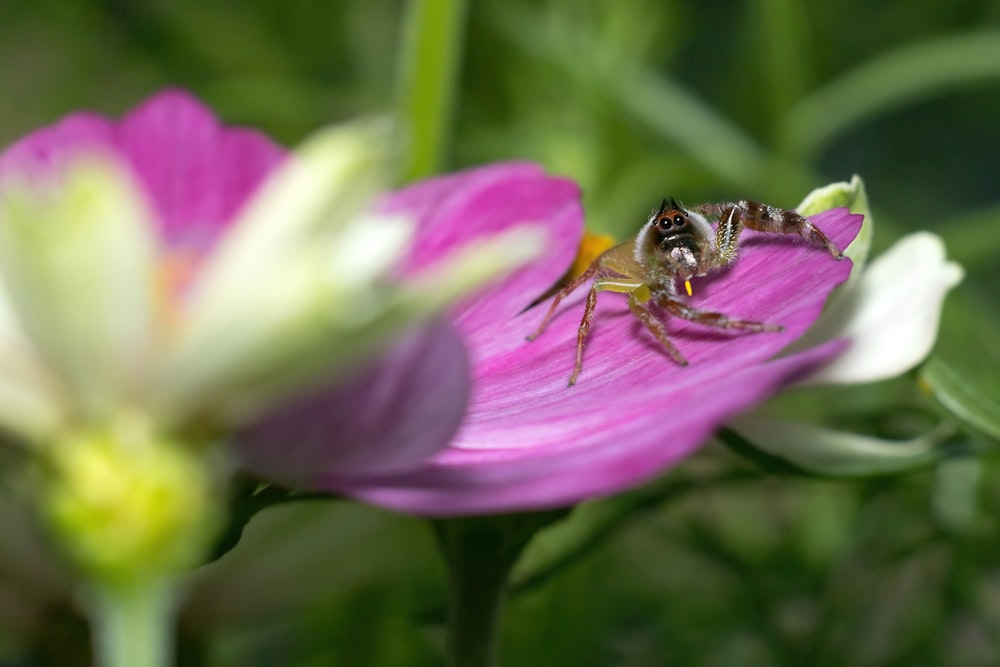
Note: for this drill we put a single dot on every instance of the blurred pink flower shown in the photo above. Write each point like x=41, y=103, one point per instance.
x=195, y=177
x=527, y=441
x=195, y=172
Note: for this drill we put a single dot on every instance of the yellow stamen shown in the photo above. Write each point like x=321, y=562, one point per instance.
x=687, y=286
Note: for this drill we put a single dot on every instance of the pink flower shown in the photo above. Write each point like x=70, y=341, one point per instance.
x=196, y=173
x=527, y=441
x=195, y=208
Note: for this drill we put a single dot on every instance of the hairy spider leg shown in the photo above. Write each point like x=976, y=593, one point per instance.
x=656, y=327
x=733, y=216
x=638, y=295
x=601, y=284
x=562, y=294
x=708, y=318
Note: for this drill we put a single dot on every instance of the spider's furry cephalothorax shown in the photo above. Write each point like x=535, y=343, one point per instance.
x=675, y=245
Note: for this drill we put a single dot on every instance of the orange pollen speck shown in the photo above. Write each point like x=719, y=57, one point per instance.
x=687, y=286
x=174, y=275
x=591, y=246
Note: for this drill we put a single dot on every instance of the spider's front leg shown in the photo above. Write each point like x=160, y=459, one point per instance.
x=733, y=216
x=601, y=284
x=604, y=279
x=562, y=294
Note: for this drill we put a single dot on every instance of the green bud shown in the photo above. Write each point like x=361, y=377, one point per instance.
x=127, y=504
x=853, y=197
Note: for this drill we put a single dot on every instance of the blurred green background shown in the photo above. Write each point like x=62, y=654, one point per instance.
x=635, y=99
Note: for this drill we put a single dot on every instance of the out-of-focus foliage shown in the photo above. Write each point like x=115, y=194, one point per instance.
x=635, y=100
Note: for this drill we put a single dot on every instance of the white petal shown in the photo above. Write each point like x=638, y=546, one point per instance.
x=368, y=249
x=474, y=265
x=269, y=293
x=77, y=254
x=30, y=404
x=304, y=327
x=890, y=314
x=323, y=186
x=28, y=411
x=241, y=347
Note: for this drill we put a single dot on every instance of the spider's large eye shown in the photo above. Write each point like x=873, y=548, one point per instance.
x=679, y=220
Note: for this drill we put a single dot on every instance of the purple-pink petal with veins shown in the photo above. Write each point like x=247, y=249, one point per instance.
x=195, y=172
x=458, y=208
x=532, y=466
x=528, y=441
x=385, y=417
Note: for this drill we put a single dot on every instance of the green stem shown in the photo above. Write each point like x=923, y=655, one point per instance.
x=133, y=623
x=480, y=552
x=475, y=607
x=428, y=69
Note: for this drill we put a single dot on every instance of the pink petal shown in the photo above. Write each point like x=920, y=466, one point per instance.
x=528, y=441
x=389, y=416
x=409, y=405
x=453, y=210
x=196, y=172
x=531, y=466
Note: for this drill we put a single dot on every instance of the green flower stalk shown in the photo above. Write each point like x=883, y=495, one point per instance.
x=130, y=510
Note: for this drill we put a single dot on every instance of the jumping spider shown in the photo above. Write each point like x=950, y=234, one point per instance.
x=675, y=245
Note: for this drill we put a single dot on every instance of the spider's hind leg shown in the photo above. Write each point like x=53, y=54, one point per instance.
x=656, y=327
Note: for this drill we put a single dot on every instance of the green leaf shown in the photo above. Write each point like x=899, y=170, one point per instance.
x=963, y=397
x=972, y=238
x=669, y=109
x=906, y=75
x=557, y=547
x=962, y=374
x=822, y=451
x=562, y=544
